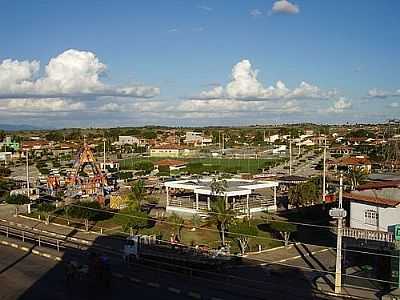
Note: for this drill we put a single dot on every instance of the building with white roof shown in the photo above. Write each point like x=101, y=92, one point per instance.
x=194, y=196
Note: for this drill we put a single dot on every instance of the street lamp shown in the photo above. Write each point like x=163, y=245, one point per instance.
x=339, y=213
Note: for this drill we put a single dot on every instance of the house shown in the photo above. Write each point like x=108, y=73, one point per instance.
x=359, y=162
x=128, y=140
x=272, y=138
x=341, y=150
x=173, y=166
x=373, y=216
x=194, y=196
x=279, y=149
x=375, y=205
x=35, y=145
x=5, y=157
x=171, y=150
x=196, y=138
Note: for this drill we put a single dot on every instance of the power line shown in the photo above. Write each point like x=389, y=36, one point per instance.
x=233, y=233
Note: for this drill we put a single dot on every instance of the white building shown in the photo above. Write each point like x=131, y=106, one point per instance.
x=271, y=138
x=5, y=157
x=243, y=196
x=127, y=140
x=196, y=138
x=279, y=149
x=374, y=210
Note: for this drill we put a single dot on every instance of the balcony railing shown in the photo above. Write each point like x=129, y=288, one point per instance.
x=373, y=235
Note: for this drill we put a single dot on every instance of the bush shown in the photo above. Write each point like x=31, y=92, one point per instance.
x=46, y=207
x=86, y=210
x=17, y=199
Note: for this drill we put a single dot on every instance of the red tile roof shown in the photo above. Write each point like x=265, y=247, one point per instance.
x=379, y=185
x=353, y=161
x=371, y=199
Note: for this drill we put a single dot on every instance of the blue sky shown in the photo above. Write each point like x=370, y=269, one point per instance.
x=178, y=51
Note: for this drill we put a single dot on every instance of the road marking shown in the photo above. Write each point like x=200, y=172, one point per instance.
x=194, y=295
x=174, y=290
x=300, y=256
x=135, y=279
x=214, y=298
x=153, y=284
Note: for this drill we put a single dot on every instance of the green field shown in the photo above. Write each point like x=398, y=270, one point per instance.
x=201, y=165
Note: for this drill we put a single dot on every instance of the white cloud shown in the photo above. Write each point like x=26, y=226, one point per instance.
x=255, y=12
x=41, y=105
x=71, y=73
x=244, y=85
x=376, y=93
x=205, y=8
x=340, y=105
x=394, y=104
x=148, y=106
x=173, y=30
x=285, y=7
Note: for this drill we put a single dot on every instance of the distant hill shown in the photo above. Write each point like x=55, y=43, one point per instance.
x=18, y=127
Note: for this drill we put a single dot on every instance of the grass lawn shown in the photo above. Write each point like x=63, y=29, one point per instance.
x=200, y=165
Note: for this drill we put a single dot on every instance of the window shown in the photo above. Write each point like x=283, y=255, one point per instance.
x=371, y=217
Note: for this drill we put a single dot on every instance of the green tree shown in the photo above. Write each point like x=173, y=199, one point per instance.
x=285, y=229
x=149, y=134
x=356, y=176
x=221, y=216
x=303, y=194
x=138, y=195
x=17, y=199
x=242, y=230
x=176, y=223
x=86, y=210
x=132, y=218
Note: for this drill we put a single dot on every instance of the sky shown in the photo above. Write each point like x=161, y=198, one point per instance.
x=197, y=63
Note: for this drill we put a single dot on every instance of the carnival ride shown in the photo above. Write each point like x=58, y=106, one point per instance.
x=85, y=179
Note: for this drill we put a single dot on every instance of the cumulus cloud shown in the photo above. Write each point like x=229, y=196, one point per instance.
x=245, y=85
x=285, y=7
x=149, y=106
x=71, y=73
x=41, y=105
x=340, y=105
x=377, y=93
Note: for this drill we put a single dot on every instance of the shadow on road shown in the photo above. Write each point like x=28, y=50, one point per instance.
x=86, y=274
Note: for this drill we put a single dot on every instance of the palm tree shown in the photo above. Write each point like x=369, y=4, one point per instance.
x=357, y=176
x=138, y=195
x=221, y=216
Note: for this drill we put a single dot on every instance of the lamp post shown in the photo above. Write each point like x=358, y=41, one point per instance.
x=27, y=174
x=324, y=175
x=339, y=213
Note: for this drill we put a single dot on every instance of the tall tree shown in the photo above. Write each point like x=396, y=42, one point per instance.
x=138, y=195
x=221, y=216
x=357, y=176
x=242, y=230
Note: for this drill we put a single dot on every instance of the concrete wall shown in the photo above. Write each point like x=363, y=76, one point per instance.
x=386, y=216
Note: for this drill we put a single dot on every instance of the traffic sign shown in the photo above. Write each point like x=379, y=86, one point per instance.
x=338, y=213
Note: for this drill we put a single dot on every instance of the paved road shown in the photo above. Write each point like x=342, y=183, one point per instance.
x=26, y=276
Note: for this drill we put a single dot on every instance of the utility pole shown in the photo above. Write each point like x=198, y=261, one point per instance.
x=290, y=156
x=104, y=154
x=339, y=213
x=324, y=175
x=27, y=174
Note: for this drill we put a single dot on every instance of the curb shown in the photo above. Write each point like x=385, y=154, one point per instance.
x=33, y=251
